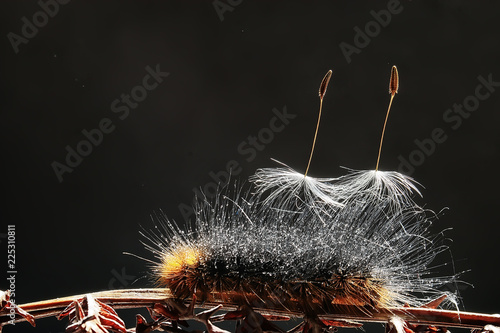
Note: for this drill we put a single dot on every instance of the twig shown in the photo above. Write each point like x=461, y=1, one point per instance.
x=140, y=298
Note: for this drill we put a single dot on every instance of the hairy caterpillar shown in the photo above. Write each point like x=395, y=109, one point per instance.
x=359, y=239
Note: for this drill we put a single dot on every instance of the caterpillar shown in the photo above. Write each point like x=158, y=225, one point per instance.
x=359, y=239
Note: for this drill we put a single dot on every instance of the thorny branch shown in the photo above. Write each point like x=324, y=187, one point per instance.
x=95, y=312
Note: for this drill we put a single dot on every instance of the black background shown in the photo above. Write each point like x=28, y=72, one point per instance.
x=226, y=76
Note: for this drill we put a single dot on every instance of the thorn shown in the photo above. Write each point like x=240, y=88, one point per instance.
x=164, y=312
x=79, y=314
x=205, y=315
x=190, y=309
x=142, y=326
x=435, y=303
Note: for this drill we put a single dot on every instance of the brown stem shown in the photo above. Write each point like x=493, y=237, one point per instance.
x=139, y=298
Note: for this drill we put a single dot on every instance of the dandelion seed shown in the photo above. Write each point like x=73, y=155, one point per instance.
x=388, y=188
x=287, y=190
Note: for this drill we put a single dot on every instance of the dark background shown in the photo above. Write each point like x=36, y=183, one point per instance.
x=226, y=76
